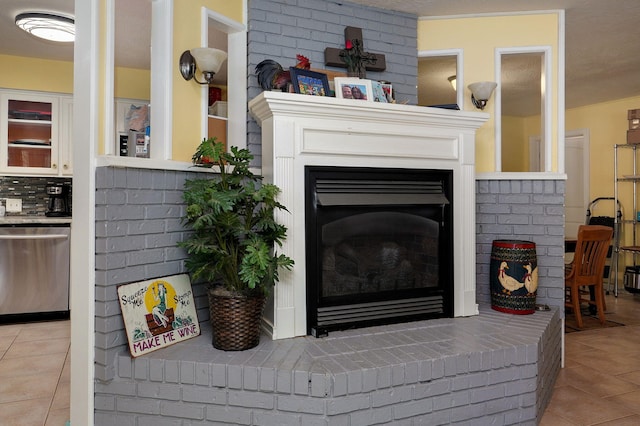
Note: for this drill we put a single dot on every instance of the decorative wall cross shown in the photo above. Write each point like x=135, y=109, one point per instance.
x=374, y=62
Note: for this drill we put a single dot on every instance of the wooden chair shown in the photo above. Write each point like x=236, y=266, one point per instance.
x=587, y=269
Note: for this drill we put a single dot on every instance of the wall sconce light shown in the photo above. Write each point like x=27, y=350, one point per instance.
x=452, y=80
x=206, y=59
x=481, y=92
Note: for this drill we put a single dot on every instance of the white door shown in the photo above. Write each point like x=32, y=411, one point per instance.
x=577, y=186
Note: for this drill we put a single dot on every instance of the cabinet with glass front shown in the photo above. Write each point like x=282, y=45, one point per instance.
x=30, y=124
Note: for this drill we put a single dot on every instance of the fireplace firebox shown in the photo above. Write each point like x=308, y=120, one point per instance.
x=379, y=246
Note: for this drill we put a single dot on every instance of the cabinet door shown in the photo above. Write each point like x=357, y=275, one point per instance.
x=66, y=136
x=28, y=133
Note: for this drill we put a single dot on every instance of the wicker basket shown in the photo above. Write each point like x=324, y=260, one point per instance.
x=235, y=321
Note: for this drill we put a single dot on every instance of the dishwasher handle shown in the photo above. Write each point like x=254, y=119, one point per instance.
x=35, y=237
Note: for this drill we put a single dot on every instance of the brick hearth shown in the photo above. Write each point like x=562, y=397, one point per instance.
x=496, y=367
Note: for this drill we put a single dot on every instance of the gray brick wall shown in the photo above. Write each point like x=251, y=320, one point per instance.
x=280, y=29
x=138, y=223
x=510, y=382
x=531, y=210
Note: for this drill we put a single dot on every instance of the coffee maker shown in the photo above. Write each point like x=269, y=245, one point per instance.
x=59, y=204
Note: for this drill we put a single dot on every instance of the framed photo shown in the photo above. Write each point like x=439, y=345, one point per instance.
x=378, y=93
x=353, y=88
x=388, y=90
x=309, y=82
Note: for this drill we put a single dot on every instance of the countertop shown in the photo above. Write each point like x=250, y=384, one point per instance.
x=35, y=220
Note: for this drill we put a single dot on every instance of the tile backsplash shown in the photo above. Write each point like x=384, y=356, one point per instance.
x=32, y=191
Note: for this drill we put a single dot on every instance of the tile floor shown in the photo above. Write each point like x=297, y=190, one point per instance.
x=600, y=384
x=34, y=374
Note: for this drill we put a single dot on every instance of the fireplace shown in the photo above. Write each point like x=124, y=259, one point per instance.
x=300, y=133
x=379, y=246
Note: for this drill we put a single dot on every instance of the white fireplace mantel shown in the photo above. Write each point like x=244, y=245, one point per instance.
x=300, y=130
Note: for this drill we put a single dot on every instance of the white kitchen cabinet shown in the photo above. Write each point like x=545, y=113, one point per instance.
x=66, y=136
x=35, y=133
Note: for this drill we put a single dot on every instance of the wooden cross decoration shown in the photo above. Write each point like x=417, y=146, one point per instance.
x=332, y=55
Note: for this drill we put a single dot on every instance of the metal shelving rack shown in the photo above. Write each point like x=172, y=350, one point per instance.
x=621, y=224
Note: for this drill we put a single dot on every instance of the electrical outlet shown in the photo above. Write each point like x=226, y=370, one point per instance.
x=14, y=205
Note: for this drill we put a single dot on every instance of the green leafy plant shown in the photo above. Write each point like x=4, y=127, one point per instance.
x=231, y=215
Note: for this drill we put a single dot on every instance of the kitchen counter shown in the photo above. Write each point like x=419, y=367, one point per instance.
x=33, y=220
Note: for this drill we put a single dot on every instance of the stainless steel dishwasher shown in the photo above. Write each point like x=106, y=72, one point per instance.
x=34, y=271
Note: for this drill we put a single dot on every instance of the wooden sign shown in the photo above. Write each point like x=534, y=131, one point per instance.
x=158, y=313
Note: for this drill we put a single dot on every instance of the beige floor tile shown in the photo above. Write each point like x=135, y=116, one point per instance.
x=30, y=365
x=24, y=413
x=61, y=399
x=5, y=342
x=631, y=400
x=66, y=370
x=10, y=330
x=552, y=419
x=605, y=362
x=23, y=388
x=582, y=408
x=30, y=347
x=633, y=377
x=596, y=383
x=57, y=417
x=45, y=330
x=626, y=421
x=613, y=344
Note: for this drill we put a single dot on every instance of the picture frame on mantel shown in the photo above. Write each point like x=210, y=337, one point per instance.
x=378, y=92
x=353, y=88
x=308, y=82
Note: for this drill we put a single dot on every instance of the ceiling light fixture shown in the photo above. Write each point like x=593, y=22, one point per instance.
x=208, y=60
x=452, y=80
x=481, y=92
x=48, y=26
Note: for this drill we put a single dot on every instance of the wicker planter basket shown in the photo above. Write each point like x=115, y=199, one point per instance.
x=235, y=321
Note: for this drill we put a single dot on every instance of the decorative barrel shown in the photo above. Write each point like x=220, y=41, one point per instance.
x=514, y=276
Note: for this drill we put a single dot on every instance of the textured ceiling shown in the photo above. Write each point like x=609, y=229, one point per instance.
x=601, y=42
x=602, y=60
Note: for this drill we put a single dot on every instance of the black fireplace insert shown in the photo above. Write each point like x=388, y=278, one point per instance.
x=379, y=246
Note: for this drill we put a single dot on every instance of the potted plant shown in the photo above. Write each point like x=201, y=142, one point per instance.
x=233, y=242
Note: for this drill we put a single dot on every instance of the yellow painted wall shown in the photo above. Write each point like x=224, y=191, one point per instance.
x=132, y=83
x=516, y=132
x=187, y=116
x=478, y=37
x=513, y=144
x=607, y=124
x=18, y=72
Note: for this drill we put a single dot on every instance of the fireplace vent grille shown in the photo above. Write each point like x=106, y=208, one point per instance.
x=346, y=192
x=375, y=311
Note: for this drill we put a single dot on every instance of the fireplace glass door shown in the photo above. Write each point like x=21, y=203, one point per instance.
x=379, y=246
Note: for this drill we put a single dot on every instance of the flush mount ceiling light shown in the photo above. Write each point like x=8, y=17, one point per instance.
x=48, y=26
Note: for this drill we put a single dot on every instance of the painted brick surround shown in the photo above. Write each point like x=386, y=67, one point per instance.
x=505, y=377
x=418, y=374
